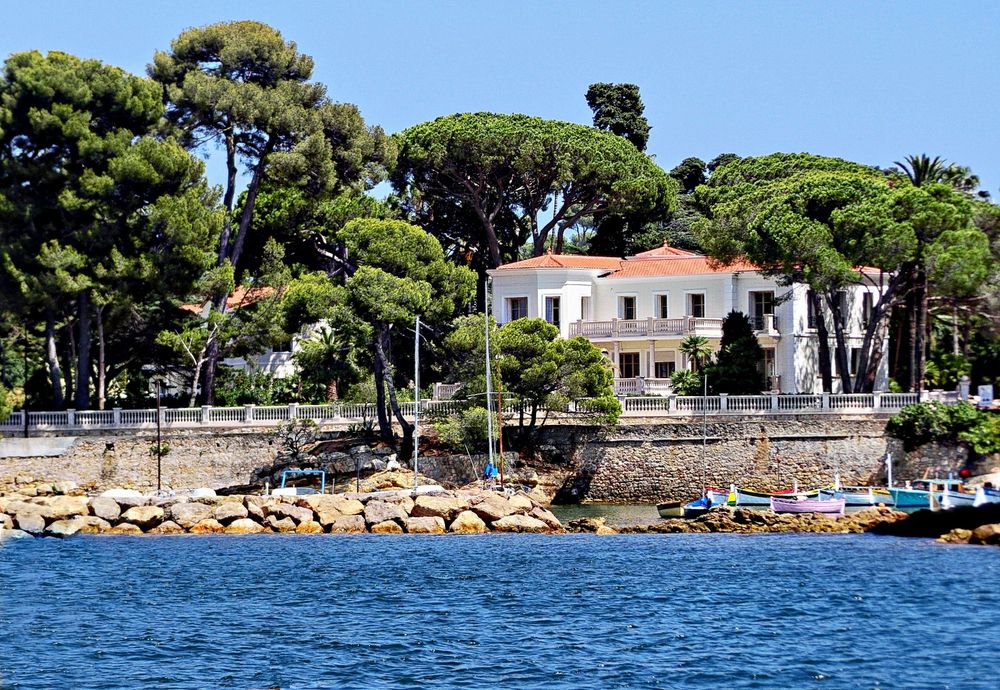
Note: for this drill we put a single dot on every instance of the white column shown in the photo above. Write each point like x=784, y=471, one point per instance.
x=651, y=360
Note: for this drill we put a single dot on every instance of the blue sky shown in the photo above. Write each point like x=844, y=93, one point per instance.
x=868, y=81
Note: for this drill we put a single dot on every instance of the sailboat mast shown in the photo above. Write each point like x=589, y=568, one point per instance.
x=704, y=435
x=489, y=373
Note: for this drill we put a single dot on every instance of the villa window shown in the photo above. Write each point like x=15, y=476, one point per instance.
x=517, y=308
x=842, y=303
x=628, y=364
x=626, y=308
x=552, y=310
x=661, y=306
x=812, y=317
x=761, y=305
x=665, y=370
x=855, y=360
x=584, y=308
x=696, y=305
x=866, y=310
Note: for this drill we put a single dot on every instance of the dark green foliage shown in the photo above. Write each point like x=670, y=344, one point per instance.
x=939, y=422
x=690, y=172
x=737, y=367
x=238, y=387
x=618, y=109
x=687, y=382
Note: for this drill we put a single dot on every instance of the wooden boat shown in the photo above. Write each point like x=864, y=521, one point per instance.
x=984, y=496
x=807, y=505
x=703, y=504
x=746, y=497
x=913, y=496
x=859, y=495
x=670, y=509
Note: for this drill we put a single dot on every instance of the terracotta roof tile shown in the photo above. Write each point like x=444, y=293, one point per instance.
x=242, y=296
x=565, y=261
x=676, y=266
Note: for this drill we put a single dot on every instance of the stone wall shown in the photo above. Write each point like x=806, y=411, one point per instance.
x=672, y=460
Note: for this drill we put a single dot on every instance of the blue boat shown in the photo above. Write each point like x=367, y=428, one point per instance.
x=912, y=497
x=703, y=504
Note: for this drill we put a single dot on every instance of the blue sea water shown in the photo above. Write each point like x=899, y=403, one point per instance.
x=498, y=611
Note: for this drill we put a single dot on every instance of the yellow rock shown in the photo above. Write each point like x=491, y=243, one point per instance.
x=309, y=527
x=387, y=527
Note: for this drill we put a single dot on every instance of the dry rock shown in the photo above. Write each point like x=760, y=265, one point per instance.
x=189, y=514
x=65, y=528
x=492, y=507
x=436, y=506
x=206, y=526
x=64, y=487
x=91, y=524
x=520, y=523
x=31, y=522
x=289, y=510
x=985, y=534
x=280, y=524
x=105, y=508
x=956, y=536
x=144, y=517
x=6, y=522
x=468, y=522
x=386, y=527
x=425, y=525
x=545, y=516
x=125, y=528
x=604, y=529
x=62, y=507
x=255, y=509
x=168, y=527
x=243, y=525
x=378, y=511
x=130, y=501
x=309, y=527
x=346, y=524
x=229, y=511
x=520, y=503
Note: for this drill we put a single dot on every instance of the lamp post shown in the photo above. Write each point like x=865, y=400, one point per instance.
x=24, y=337
x=159, y=444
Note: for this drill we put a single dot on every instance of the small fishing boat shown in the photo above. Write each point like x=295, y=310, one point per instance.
x=746, y=497
x=918, y=493
x=670, y=509
x=703, y=504
x=859, y=495
x=807, y=505
x=985, y=495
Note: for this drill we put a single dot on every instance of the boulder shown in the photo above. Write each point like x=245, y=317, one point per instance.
x=403, y=500
x=94, y=525
x=520, y=503
x=189, y=514
x=289, y=510
x=243, y=525
x=386, y=527
x=168, y=527
x=467, y=522
x=985, y=534
x=545, y=516
x=255, y=507
x=14, y=534
x=604, y=529
x=6, y=522
x=206, y=526
x=31, y=522
x=309, y=527
x=121, y=493
x=378, y=511
x=125, y=528
x=65, y=528
x=127, y=502
x=346, y=524
x=491, y=507
x=63, y=507
x=337, y=503
x=229, y=511
x=203, y=493
x=425, y=525
x=956, y=536
x=437, y=506
x=64, y=487
x=520, y=523
x=280, y=524
x=144, y=517
x=105, y=508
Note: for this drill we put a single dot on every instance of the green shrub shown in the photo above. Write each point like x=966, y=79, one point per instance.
x=923, y=423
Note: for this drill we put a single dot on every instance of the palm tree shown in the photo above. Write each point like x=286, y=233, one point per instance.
x=697, y=349
x=923, y=169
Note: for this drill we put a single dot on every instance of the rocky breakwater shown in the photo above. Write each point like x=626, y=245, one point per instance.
x=394, y=512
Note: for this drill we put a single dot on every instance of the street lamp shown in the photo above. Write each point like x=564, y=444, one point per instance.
x=159, y=443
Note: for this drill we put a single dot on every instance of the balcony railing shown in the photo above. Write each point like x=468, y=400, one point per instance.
x=628, y=328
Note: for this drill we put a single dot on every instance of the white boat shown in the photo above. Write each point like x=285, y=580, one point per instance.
x=985, y=496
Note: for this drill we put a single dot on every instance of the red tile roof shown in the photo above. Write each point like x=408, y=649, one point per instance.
x=565, y=261
x=242, y=296
x=677, y=266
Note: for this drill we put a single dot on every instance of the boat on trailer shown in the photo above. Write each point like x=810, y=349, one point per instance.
x=808, y=505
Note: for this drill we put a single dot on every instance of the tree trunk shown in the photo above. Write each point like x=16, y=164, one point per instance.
x=919, y=330
x=331, y=390
x=101, y=371
x=823, y=338
x=248, y=204
x=380, y=365
x=83, y=352
x=52, y=356
x=70, y=359
x=840, y=350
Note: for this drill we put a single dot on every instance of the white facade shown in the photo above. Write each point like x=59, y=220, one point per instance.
x=639, y=310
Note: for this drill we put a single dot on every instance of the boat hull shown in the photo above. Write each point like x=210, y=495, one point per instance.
x=671, y=509
x=759, y=498
x=859, y=496
x=808, y=505
x=985, y=496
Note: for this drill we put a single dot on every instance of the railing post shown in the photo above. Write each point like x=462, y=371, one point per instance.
x=769, y=323
x=293, y=410
x=774, y=400
x=876, y=400
x=206, y=414
x=163, y=416
x=826, y=401
x=248, y=413
x=614, y=325
x=116, y=416
x=649, y=325
x=723, y=402
x=672, y=402
x=70, y=417
x=579, y=327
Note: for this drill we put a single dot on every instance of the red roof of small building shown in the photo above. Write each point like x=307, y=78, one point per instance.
x=242, y=296
x=565, y=261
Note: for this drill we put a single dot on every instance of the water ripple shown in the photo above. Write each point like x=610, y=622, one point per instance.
x=577, y=611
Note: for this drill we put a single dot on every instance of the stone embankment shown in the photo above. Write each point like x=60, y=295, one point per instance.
x=391, y=512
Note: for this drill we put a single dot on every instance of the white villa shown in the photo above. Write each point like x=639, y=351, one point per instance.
x=640, y=308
